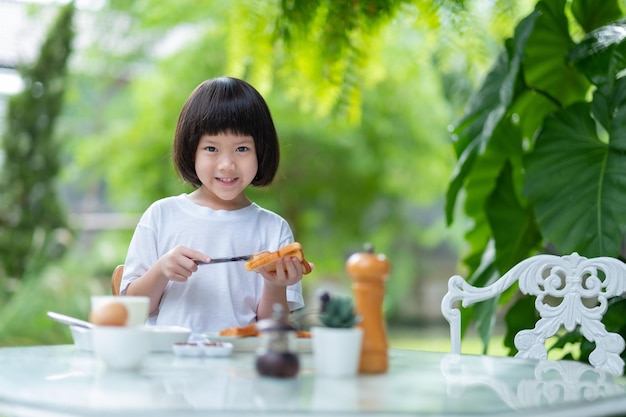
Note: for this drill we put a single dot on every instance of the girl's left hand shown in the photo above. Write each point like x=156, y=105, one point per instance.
x=288, y=272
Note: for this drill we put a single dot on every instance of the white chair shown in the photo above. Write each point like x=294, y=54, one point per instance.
x=570, y=291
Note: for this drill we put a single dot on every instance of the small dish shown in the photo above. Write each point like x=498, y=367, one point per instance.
x=250, y=344
x=217, y=349
x=187, y=350
x=206, y=349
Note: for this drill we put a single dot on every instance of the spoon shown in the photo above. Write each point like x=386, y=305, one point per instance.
x=72, y=321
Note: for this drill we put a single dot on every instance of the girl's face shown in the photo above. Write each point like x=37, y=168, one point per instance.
x=225, y=164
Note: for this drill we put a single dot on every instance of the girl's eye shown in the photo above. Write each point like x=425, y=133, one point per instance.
x=243, y=149
x=211, y=149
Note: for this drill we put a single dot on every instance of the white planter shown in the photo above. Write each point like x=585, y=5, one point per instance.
x=336, y=352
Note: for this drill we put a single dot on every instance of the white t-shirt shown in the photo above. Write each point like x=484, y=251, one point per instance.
x=215, y=296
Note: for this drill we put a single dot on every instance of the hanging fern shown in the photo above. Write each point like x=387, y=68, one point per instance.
x=320, y=45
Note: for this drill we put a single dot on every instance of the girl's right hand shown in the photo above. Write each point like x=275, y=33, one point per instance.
x=179, y=263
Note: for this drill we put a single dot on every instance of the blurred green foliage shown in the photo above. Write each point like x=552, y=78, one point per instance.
x=362, y=99
x=33, y=228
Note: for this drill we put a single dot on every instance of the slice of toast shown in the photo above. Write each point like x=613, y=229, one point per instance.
x=250, y=330
x=268, y=259
x=243, y=331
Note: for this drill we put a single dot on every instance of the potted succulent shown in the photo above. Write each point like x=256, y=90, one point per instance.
x=337, y=340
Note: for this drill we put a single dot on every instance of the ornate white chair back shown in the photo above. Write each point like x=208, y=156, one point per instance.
x=570, y=291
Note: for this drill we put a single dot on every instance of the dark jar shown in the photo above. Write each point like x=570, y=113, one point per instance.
x=275, y=356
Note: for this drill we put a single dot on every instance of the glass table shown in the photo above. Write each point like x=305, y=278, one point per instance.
x=54, y=381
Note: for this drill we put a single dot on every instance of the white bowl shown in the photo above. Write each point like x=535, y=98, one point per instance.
x=121, y=347
x=161, y=337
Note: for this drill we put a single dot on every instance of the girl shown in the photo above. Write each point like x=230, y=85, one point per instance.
x=225, y=140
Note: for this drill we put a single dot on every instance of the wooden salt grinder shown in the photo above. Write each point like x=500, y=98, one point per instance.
x=369, y=271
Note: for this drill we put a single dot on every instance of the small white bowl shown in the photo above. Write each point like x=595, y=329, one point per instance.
x=202, y=349
x=217, y=349
x=187, y=350
x=121, y=347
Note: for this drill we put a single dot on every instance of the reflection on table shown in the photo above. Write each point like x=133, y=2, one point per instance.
x=61, y=380
x=551, y=383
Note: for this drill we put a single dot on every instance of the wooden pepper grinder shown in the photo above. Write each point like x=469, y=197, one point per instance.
x=369, y=271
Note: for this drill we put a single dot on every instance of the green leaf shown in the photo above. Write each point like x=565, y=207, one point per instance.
x=487, y=107
x=601, y=55
x=521, y=315
x=609, y=111
x=545, y=68
x=592, y=14
x=482, y=180
x=514, y=240
x=483, y=313
x=531, y=108
x=577, y=181
x=614, y=317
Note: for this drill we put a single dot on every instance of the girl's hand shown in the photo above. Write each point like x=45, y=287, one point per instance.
x=179, y=263
x=288, y=272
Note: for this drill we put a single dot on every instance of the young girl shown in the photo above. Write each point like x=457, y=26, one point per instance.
x=225, y=140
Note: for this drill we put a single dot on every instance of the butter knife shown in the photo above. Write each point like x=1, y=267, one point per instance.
x=242, y=258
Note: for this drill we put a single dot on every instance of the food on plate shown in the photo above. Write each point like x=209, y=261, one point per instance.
x=109, y=314
x=243, y=331
x=250, y=330
x=268, y=259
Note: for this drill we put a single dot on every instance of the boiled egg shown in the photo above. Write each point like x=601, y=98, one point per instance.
x=109, y=314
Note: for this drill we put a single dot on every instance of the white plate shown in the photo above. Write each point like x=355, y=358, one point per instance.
x=161, y=338
x=250, y=344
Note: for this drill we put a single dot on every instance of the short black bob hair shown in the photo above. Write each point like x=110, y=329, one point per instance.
x=226, y=105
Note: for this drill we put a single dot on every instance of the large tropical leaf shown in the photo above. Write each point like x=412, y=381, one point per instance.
x=513, y=223
x=486, y=109
x=591, y=14
x=545, y=67
x=577, y=181
x=504, y=149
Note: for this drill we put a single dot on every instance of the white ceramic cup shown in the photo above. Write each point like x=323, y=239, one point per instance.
x=121, y=348
x=137, y=306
